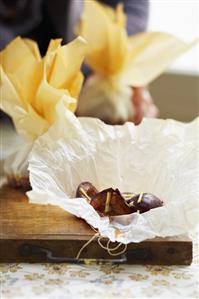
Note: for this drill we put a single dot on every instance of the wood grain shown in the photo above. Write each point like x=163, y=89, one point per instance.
x=51, y=228
x=20, y=219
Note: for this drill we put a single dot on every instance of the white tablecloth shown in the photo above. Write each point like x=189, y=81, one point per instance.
x=59, y=281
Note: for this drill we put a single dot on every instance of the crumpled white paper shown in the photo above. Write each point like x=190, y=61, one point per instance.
x=16, y=164
x=30, y=88
x=158, y=156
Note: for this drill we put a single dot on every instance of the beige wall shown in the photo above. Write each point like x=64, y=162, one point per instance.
x=177, y=96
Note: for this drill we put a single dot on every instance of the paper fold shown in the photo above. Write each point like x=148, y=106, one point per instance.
x=135, y=60
x=31, y=87
x=120, y=62
x=158, y=156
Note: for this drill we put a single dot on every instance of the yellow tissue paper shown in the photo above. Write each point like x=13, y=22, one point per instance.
x=31, y=86
x=119, y=61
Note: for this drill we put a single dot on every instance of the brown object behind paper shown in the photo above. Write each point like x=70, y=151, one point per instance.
x=29, y=232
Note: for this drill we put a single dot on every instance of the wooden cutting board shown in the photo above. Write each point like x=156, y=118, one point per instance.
x=39, y=233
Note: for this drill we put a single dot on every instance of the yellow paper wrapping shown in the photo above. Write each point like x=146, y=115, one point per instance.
x=118, y=59
x=31, y=87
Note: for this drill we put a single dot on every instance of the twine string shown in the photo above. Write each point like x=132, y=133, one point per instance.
x=86, y=244
x=110, y=250
x=113, y=248
x=118, y=253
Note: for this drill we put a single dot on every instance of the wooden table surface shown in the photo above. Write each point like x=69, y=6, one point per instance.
x=50, y=281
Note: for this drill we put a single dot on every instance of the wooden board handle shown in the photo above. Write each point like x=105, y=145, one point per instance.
x=29, y=250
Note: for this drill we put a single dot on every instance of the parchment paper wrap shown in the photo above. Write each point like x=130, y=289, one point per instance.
x=158, y=156
x=31, y=86
x=120, y=61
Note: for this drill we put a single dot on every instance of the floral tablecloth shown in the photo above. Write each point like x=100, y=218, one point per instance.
x=57, y=281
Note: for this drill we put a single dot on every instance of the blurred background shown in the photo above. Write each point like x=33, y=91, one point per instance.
x=176, y=93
